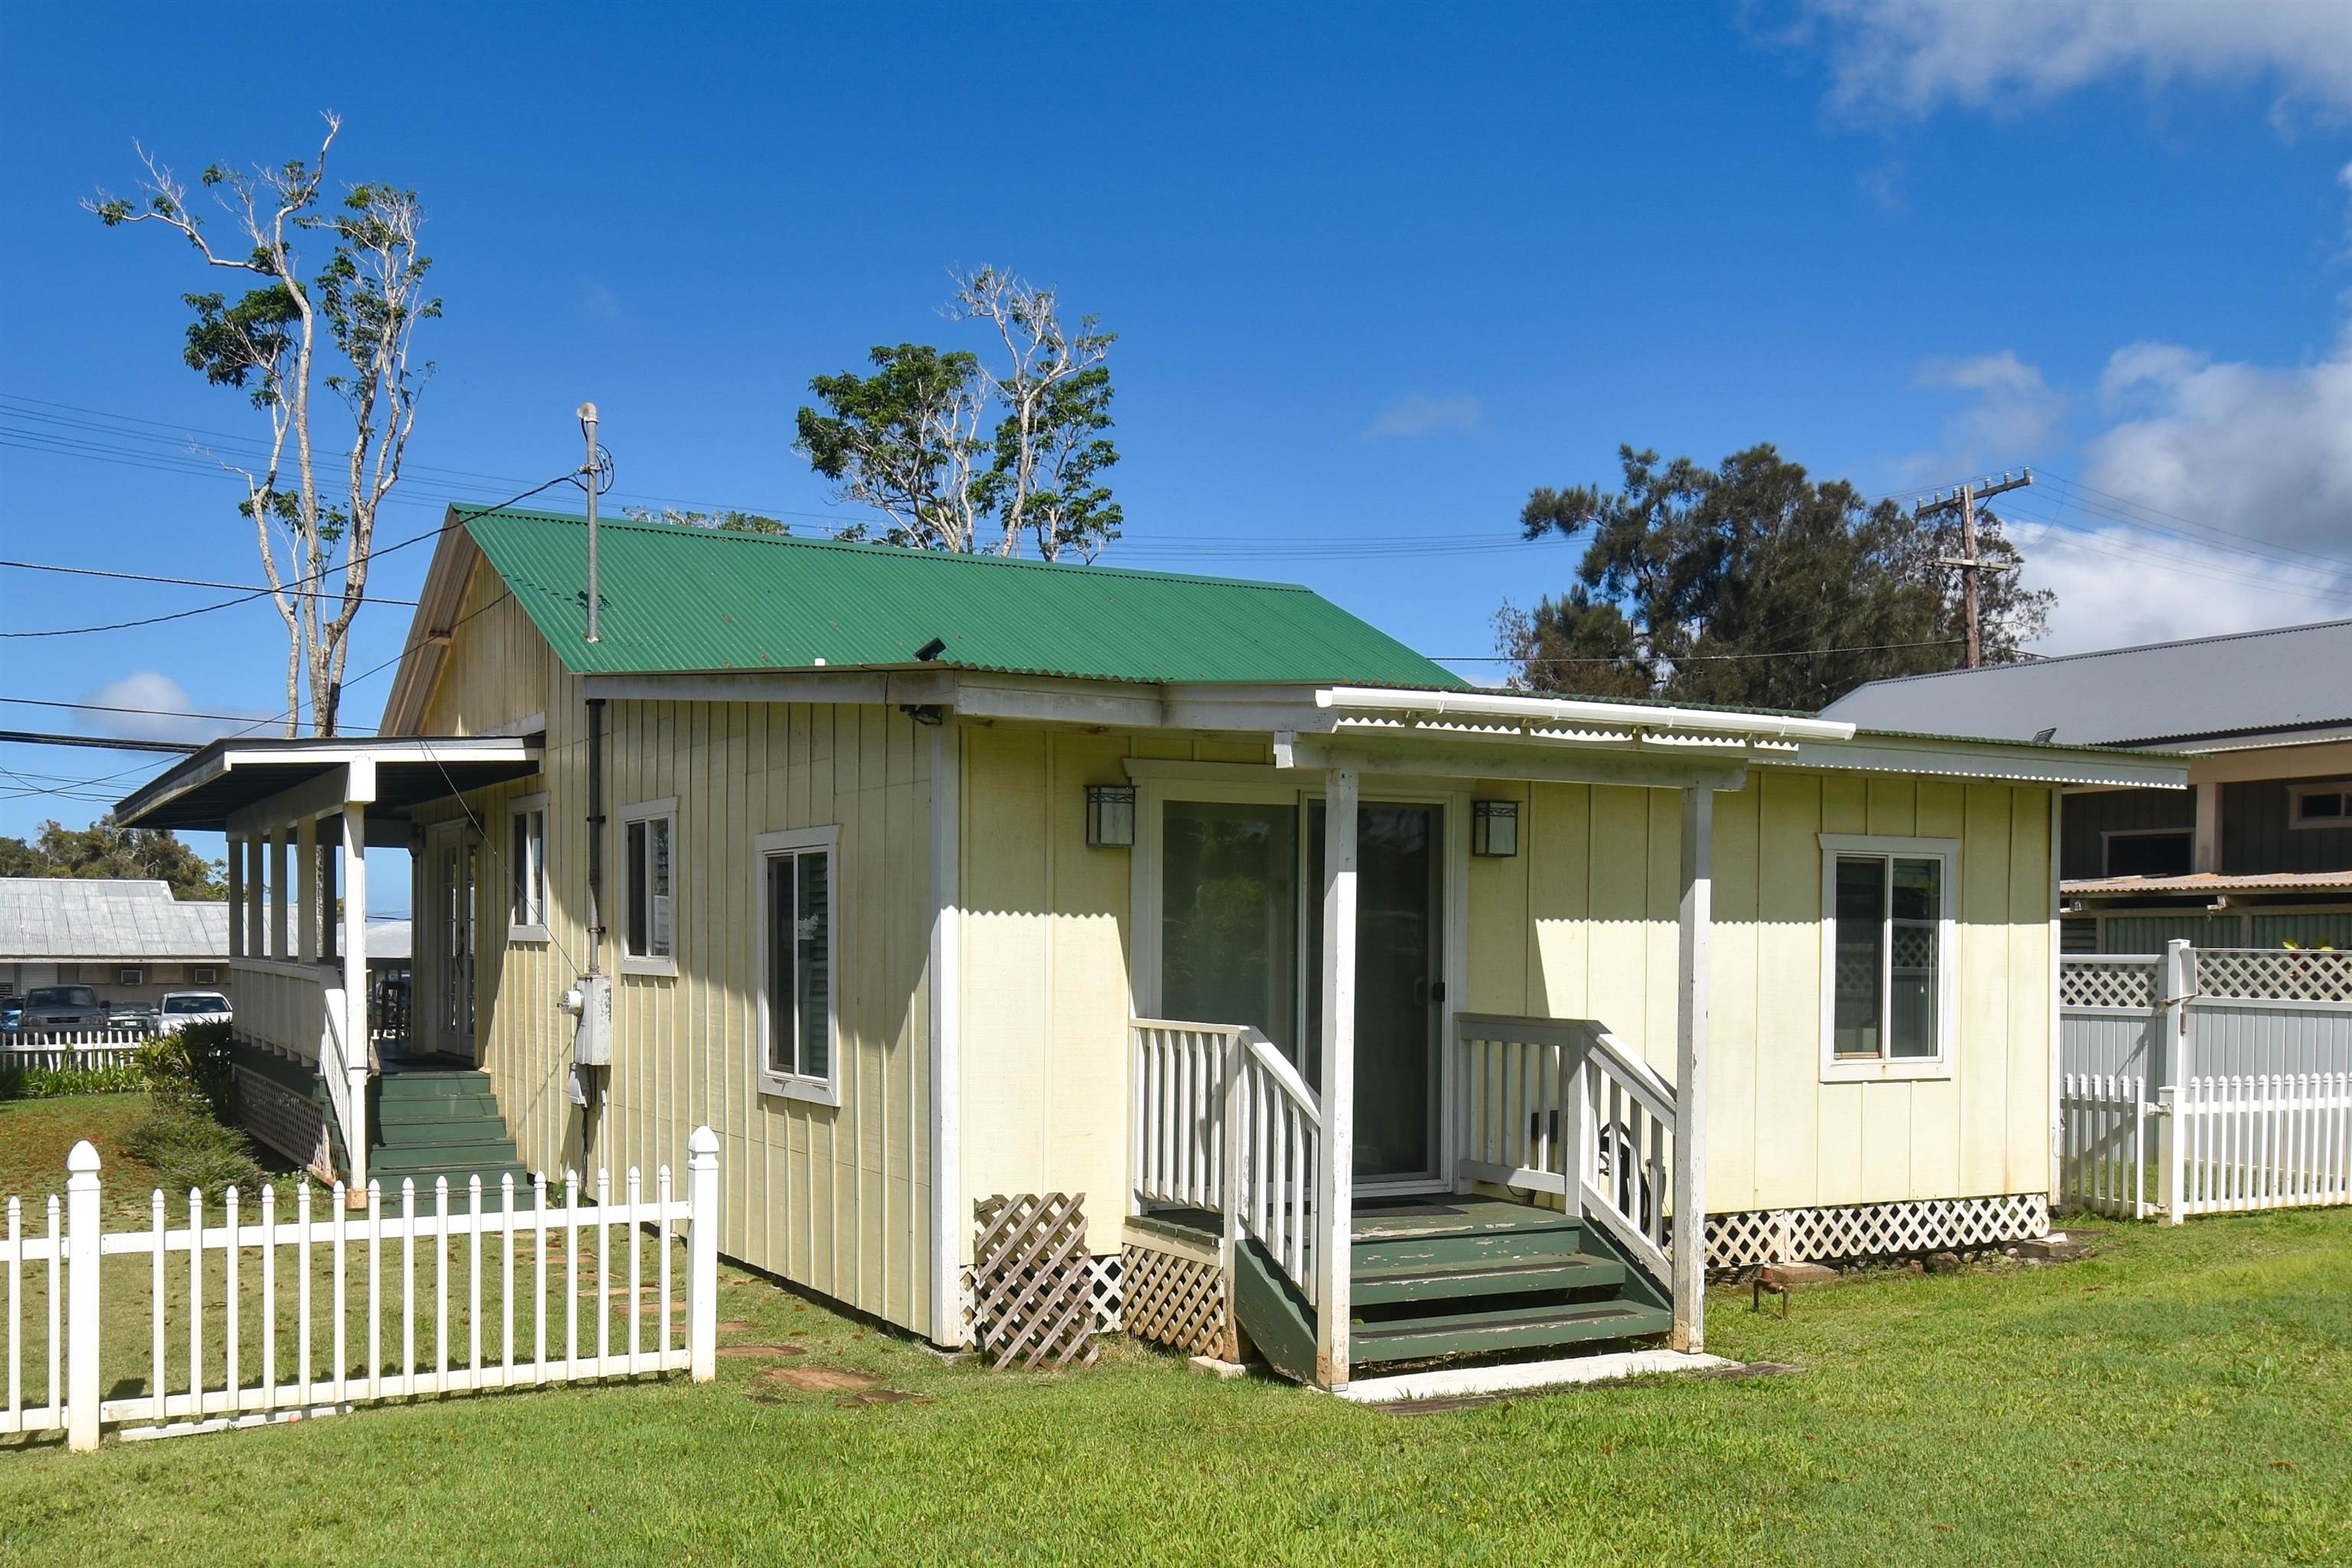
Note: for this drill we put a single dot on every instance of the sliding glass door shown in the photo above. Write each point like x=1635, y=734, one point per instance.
x=1242, y=942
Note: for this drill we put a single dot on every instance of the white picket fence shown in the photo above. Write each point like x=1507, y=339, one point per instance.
x=320, y=1312
x=2263, y=1141
x=79, y=1048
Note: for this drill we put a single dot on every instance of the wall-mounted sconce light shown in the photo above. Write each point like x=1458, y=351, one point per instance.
x=1494, y=828
x=1110, y=817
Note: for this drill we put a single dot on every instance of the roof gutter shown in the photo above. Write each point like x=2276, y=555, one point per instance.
x=1564, y=711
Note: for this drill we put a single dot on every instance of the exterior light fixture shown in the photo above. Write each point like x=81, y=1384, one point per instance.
x=1110, y=817
x=1494, y=828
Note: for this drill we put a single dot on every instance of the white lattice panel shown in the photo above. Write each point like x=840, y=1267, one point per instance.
x=1872, y=1230
x=1110, y=1287
x=2273, y=974
x=2084, y=981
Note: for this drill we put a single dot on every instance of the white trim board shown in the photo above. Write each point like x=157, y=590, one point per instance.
x=1527, y=1376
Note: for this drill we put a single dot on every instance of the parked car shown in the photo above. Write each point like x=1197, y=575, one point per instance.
x=139, y=1015
x=12, y=1014
x=62, y=1008
x=182, y=1008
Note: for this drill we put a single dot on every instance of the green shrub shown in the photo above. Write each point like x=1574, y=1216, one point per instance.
x=193, y=1070
x=190, y=1149
x=48, y=1083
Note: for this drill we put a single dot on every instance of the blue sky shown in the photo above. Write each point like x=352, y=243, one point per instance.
x=1377, y=271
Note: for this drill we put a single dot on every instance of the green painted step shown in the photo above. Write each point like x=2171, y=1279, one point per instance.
x=1465, y=1231
x=465, y=1156
x=443, y=1129
x=1503, y=1329
x=415, y=1083
x=438, y=1108
x=1534, y=1275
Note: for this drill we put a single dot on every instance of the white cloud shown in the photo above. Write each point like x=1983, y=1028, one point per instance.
x=1909, y=57
x=2012, y=412
x=156, y=704
x=1415, y=415
x=2259, y=450
x=2119, y=585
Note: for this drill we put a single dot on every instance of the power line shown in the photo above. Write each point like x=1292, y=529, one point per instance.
x=103, y=743
x=463, y=514
x=1690, y=657
x=192, y=582
x=151, y=712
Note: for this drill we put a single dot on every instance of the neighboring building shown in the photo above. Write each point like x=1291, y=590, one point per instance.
x=895, y=858
x=131, y=939
x=2257, y=853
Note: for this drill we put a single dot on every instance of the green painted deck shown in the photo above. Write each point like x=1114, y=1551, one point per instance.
x=1444, y=1277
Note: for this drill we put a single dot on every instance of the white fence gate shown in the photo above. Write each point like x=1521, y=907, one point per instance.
x=283, y=1317
x=2205, y=1081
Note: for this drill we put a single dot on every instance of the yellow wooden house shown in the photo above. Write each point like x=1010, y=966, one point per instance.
x=1366, y=1019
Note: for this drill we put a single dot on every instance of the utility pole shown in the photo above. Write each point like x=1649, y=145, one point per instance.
x=1964, y=501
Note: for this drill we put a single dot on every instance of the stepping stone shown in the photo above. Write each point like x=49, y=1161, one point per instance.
x=820, y=1378
x=649, y=1308
x=764, y=1352
x=734, y=1325
x=881, y=1396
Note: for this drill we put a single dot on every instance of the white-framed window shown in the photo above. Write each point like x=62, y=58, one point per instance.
x=2320, y=805
x=650, y=887
x=2146, y=852
x=203, y=975
x=1890, y=1000
x=798, y=894
x=131, y=977
x=527, y=868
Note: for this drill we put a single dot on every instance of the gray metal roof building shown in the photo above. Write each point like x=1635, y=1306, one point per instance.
x=2291, y=679
x=89, y=918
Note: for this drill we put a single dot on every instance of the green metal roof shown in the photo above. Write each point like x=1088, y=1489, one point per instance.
x=677, y=598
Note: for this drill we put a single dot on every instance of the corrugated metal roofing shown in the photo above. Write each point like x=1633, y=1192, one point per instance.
x=676, y=599
x=2248, y=683
x=75, y=918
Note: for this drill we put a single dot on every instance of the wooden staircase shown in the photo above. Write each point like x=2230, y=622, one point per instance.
x=1439, y=1279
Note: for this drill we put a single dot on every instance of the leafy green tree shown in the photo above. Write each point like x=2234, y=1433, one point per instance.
x=1751, y=584
x=965, y=453
x=313, y=513
x=727, y=520
x=102, y=849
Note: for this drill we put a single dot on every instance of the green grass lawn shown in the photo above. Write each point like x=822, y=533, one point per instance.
x=2183, y=1396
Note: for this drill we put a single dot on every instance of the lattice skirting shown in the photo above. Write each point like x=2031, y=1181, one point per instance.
x=289, y=1122
x=1872, y=1230
x=1174, y=1301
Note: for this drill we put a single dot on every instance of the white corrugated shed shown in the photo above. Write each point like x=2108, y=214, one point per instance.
x=70, y=917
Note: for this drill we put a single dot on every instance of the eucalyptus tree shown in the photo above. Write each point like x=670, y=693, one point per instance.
x=348, y=328
x=965, y=451
x=1752, y=583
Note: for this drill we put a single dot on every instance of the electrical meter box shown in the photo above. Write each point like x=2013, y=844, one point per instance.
x=593, y=1047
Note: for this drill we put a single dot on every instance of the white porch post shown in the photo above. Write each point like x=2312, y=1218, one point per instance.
x=235, y=896
x=307, y=921
x=1690, y=1070
x=281, y=897
x=359, y=788
x=1336, y=1181
x=256, y=943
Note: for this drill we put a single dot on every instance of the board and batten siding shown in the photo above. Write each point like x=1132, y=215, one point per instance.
x=834, y=1198
x=1580, y=923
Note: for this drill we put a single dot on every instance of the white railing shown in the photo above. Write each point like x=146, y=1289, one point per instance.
x=276, y=1326
x=2261, y=1142
x=346, y=1090
x=79, y=1048
x=1273, y=1125
x=1179, y=1098
x=2106, y=1143
x=281, y=1002
x=1561, y=1106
